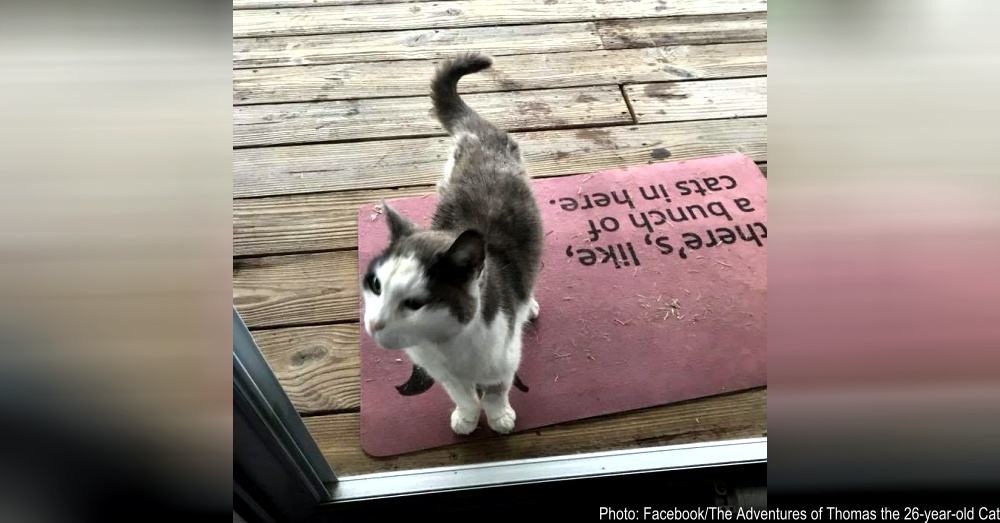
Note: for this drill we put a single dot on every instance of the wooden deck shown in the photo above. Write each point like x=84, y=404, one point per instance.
x=331, y=112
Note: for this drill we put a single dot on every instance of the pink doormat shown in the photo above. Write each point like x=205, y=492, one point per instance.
x=653, y=291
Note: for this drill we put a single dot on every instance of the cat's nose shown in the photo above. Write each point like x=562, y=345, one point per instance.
x=376, y=326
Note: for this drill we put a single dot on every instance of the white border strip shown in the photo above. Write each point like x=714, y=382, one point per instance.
x=420, y=481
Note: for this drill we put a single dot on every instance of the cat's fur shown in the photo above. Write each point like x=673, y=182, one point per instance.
x=455, y=297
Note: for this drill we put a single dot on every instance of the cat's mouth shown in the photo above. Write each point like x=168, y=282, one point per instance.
x=388, y=342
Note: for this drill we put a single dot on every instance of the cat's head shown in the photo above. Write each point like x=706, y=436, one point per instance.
x=424, y=287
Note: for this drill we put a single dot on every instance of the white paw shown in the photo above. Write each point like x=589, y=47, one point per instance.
x=461, y=425
x=503, y=423
x=533, y=310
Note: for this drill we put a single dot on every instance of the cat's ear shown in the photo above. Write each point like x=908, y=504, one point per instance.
x=468, y=251
x=399, y=227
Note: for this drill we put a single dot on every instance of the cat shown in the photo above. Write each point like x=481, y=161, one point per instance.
x=455, y=296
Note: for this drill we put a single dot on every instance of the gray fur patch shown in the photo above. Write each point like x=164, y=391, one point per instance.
x=488, y=192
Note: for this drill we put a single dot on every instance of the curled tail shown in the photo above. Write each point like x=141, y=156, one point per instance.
x=449, y=108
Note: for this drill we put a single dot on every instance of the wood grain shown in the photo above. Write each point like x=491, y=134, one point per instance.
x=466, y=13
x=312, y=288
x=707, y=29
x=411, y=162
x=412, y=116
x=268, y=4
x=731, y=416
x=285, y=224
x=536, y=71
x=305, y=222
x=680, y=101
x=350, y=53
x=296, y=289
x=414, y=44
x=318, y=367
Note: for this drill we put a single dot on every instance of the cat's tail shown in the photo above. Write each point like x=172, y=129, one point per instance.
x=449, y=108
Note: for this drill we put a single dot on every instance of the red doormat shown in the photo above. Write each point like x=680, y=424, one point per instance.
x=653, y=291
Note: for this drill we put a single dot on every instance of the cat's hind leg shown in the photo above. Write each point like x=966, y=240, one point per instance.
x=499, y=414
x=465, y=417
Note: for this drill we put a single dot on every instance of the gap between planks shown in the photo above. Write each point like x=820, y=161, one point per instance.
x=385, y=118
x=272, y=4
x=318, y=366
x=327, y=221
x=286, y=224
x=431, y=457
x=467, y=13
x=409, y=162
x=703, y=100
x=420, y=44
x=728, y=416
x=283, y=51
x=310, y=223
x=509, y=73
x=298, y=289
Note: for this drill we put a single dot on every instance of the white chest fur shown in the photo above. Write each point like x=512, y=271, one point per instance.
x=483, y=353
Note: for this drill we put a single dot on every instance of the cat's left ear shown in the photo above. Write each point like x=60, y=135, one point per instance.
x=399, y=227
x=468, y=251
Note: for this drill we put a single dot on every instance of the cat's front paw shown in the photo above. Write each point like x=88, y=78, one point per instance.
x=462, y=425
x=504, y=423
x=533, y=310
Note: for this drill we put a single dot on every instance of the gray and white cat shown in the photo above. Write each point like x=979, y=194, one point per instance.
x=455, y=296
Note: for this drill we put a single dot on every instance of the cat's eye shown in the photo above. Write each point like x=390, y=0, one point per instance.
x=374, y=284
x=413, y=304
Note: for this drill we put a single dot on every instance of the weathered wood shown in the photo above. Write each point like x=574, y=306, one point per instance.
x=412, y=116
x=270, y=4
x=286, y=224
x=679, y=101
x=311, y=288
x=707, y=29
x=731, y=416
x=466, y=13
x=411, y=162
x=304, y=222
x=565, y=44
x=318, y=367
x=536, y=71
x=415, y=44
x=297, y=289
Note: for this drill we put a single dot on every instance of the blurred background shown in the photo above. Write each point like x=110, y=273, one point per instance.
x=884, y=327
x=115, y=308
x=115, y=246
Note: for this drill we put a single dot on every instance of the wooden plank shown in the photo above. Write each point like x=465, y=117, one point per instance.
x=731, y=416
x=467, y=13
x=537, y=71
x=304, y=222
x=285, y=224
x=411, y=162
x=389, y=117
x=314, y=288
x=410, y=45
x=318, y=367
x=708, y=29
x=270, y=4
x=680, y=101
x=297, y=289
